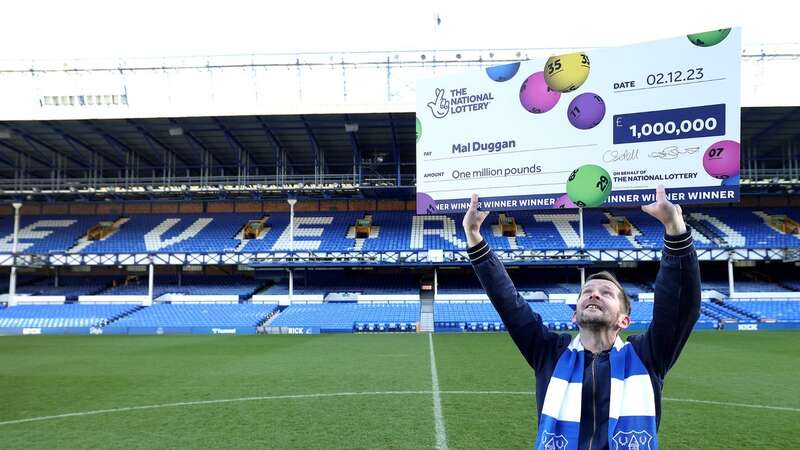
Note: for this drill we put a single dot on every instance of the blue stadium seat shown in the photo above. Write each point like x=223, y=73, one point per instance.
x=61, y=316
x=394, y=231
x=779, y=310
x=197, y=315
x=348, y=317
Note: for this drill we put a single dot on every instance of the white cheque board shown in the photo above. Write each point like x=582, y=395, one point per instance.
x=627, y=118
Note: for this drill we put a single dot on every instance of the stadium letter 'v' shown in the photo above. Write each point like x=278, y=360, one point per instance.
x=152, y=239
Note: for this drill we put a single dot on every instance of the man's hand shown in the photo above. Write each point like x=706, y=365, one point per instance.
x=472, y=222
x=667, y=213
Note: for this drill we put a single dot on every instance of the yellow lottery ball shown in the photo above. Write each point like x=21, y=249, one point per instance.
x=565, y=73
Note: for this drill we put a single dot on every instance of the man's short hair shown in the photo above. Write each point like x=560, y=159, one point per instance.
x=623, y=296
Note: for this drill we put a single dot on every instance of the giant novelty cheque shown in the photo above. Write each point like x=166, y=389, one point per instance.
x=585, y=129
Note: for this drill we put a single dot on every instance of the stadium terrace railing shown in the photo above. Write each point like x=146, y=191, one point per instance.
x=366, y=258
x=192, y=184
x=271, y=183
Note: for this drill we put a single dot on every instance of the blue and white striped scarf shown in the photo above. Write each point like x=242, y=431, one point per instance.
x=631, y=412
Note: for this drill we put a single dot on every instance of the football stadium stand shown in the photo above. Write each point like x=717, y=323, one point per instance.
x=459, y=305
x=768, y=310
x=61, y=316
x=190, y=285
x=69, y=287
x=349, y=317
x=392, y=231
x=324, y=282
x=481, y=316
x=197, y=315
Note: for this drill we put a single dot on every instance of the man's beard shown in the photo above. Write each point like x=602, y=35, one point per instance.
x=594, y=322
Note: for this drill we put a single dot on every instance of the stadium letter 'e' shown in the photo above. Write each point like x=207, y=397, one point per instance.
x=283, y=242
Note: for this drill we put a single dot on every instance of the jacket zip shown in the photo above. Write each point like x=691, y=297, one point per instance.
x=594, y=404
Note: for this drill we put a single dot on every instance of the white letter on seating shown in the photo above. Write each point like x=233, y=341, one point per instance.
x=153, y=242
x=447, y=232
x=283, y=242
x=31, y=232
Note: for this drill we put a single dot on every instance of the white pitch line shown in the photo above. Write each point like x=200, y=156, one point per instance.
x=487, y=392
x=741, y=405
x=211, y=402
x=351, y=394
x=441, y=434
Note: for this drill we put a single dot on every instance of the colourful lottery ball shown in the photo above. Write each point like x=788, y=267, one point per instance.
x=732, y=181
x=589, y=186
x=535, y=96
x=709, y=38
x=721, y=159
x=419, y=130
x=504, y=72
x=586, y=111
x=565, y=73
x=425, y=204
x=564, y=202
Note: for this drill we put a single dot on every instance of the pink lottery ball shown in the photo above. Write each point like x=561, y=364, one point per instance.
x=721, y=159
x=536, y=96
x=564, y=202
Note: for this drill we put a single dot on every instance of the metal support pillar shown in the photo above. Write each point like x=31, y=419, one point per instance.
x=730, y=276
x=291, y=202
x=291, y=284
x=12, y=283
x=435, y=282
x=150, y=277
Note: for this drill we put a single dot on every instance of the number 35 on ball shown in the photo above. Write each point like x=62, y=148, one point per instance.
x=565, y=73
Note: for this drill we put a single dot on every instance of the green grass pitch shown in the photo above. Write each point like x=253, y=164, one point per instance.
x=359, y=391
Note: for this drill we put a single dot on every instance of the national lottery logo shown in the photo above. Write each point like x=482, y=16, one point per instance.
x=459, y=101
x=440, y=106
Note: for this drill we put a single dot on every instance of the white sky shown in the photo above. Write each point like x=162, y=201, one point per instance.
x=38, y=29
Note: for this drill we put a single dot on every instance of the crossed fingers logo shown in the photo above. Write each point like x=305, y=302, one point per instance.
x=439, y=106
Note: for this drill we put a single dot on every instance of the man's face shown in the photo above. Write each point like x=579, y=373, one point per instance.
x=599, y=306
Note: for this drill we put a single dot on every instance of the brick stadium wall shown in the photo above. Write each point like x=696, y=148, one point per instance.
x=110, y=208
x=164, y=208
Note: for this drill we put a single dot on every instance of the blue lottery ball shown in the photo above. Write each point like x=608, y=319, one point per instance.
x=504, y=72
x=732, y=181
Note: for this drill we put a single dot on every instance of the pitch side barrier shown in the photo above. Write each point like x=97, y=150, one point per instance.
x=96, y=331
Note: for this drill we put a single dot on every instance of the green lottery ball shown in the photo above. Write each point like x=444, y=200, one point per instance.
x=709, y=38
x=588, y=186
x=419, y=130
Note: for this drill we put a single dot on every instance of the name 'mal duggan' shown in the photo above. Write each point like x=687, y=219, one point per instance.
x=477, y=146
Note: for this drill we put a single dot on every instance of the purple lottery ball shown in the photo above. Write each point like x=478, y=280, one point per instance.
x=425, y=204
x=586, y=111
x=536, y=96
x=721, y=159
x=564, y=202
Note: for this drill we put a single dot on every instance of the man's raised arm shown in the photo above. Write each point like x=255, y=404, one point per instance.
x=676, y=306
x=532, y=338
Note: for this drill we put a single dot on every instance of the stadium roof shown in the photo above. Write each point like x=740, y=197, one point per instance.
x=185, y=140
x=317, y=148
